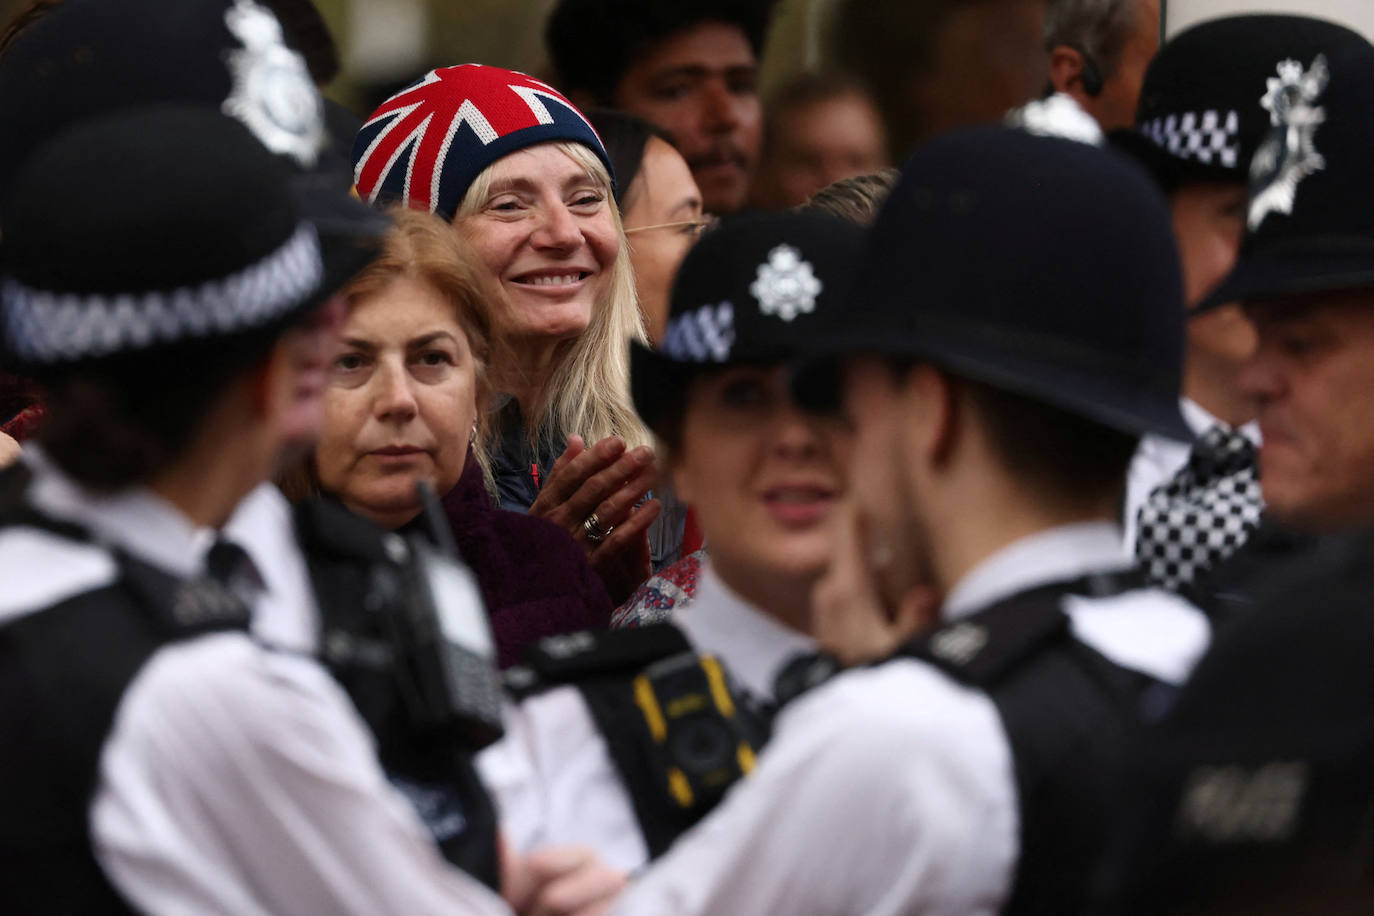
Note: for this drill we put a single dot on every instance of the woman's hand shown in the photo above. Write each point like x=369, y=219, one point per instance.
x=609, y=482
x=849, y=619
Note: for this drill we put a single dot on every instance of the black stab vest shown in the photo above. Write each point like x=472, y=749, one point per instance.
x=63, y=673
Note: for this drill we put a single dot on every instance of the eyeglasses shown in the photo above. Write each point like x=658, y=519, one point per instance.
x=696, y=228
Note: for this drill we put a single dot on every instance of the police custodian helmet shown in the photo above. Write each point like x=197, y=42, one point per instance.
x=1310, y=223
x=1039, y=265
x=153, y=228
x=763, y=288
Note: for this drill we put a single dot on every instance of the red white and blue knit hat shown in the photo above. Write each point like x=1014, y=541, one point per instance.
x=427, y=143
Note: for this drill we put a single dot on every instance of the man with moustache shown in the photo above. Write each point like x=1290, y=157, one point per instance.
x=969, y=771
x=690, y=68
x=1256, y=792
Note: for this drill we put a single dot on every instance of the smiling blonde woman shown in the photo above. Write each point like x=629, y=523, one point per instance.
x=525, y=180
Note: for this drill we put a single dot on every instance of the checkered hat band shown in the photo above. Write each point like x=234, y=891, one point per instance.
x=52, y=327
x=1209, y=137
x=704, y=335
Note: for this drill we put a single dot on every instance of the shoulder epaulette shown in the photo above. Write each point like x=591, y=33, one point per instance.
x=570, y=658
x=981, y=649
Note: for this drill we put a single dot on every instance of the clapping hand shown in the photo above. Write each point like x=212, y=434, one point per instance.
x=597, y=495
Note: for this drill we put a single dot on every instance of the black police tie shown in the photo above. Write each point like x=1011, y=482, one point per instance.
x=230, y=565
x=1203, y=514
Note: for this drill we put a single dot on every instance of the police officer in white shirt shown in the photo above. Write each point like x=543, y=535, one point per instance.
x=997, y=386
x=765, y=480
x=164, y=286
x=1256, y=793
x=1196, y=130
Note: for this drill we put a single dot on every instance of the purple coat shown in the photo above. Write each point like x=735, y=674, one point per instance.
x=534, y=577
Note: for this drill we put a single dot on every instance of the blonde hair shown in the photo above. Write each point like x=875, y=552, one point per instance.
x=588, y=392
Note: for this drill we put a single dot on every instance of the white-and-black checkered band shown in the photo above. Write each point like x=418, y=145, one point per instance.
x=50, y=327
x=1208, y=136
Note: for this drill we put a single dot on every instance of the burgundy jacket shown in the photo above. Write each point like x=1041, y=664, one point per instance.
x=534, y=577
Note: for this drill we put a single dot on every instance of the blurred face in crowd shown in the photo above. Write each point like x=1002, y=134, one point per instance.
x=544, y=229
x=763, y=476
x=701, y=86
x=1209, y=222
x=986, y=59
x=1313, y=379
x=401, y=403
x=306, y=350
x=816, y=145
x=1115, y=105
x=663, y=220
x=877, y=408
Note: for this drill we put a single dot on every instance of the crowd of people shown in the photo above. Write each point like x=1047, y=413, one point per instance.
x=613, y=493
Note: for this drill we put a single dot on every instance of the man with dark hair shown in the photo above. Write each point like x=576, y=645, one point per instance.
x=938, y=64
x=818, y=129
x=995, y=405
x=1098, y=53
x=688, y=66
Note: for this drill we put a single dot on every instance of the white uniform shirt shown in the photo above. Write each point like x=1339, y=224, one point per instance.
x=891, y=790
x=1158, y=458
x=552, y=775
x=234, y=779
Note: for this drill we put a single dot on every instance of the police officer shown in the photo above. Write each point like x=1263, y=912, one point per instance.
x=1256, y=792
x=160, y=759
x=1196, y=130
x=996, y=385
x=626, y=739
x=84, y=58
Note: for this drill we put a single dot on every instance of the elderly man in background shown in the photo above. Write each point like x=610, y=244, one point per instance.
x=1099, y=50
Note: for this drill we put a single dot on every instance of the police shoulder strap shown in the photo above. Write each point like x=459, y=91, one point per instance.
x=678, y=732
x=179, y=607
x=1067, y=712
x=982, y=648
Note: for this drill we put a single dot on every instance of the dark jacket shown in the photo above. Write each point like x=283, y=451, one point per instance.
x=534, y=577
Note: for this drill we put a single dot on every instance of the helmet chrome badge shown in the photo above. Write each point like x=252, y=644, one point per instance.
x=1289, y=154
x=272, y=95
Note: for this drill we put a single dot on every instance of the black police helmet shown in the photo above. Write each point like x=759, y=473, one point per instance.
x=194, y=237
x=760, y=289
x=1200, y=116
x=87, y=58
x=1042, y=266
x=1310, y=225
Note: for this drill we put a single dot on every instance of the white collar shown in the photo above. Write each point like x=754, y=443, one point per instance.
x=134, y=518
x=285, y=614
x=753, y=645
x=1053, y=555
x=1199, y=420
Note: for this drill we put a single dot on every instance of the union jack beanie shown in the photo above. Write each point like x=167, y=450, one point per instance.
x=427, y=143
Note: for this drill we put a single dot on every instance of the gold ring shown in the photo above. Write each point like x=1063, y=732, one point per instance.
x=595, y=531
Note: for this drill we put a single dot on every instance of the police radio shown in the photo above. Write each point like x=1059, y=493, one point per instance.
x=450, y=682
